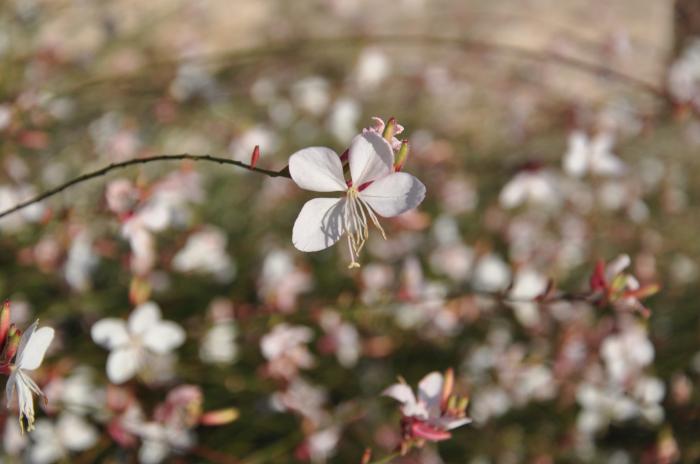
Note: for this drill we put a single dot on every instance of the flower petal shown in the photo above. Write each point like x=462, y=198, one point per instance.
x=576, y=157
x=514, y=193
x=164, y=337
x=318, y=169
x=401, y=393
x=319, y=225
x=394, y=194
x=144, y=316
x=122, y=364
x=370, y=158
x=34, y=350
x=430, y=392
x=10, y=389
x=110, y=333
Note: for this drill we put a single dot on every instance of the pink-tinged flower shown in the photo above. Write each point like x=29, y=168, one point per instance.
x=285, y=349
x=595, y=156
x=131, y=342
x=374, y=188
x=435, y=411
x=30, y=353
x=622, y=290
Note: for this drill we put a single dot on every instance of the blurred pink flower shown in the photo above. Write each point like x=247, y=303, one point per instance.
x=433, y=413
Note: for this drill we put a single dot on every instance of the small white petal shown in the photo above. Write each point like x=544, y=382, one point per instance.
x=514, y=193
x=122, y=364
x=319, y=224
x=576, y=157
x=144, y=316
x=450, y=424
x=394, y=194
x=110, y=333
x=318, y=169
x=164, y=337
x=33, y=351
x=370, y=158
x=10, y=388
x=401, y=393
x=76, y=433
x=430, y=391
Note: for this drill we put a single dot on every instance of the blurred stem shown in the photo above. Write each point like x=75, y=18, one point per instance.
x=294, y=46
x=150, y=159
x=387, y=459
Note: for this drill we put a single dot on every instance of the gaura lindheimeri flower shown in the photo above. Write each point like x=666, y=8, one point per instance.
x=374, y=189
x=433, y=414
x=585, y=155
x=30, y=354
x=131, y=342
x=622, y=290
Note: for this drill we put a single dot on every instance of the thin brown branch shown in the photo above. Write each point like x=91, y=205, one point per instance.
x=149, y=159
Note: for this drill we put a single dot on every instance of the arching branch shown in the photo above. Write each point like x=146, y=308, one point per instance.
x=149, y=159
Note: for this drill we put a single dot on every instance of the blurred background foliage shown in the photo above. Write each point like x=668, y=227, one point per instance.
x=481, y=87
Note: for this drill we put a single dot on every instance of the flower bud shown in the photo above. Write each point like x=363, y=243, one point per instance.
x=447, y=387
x=389, y=129
x=401, y=156
x=255, y=156
x=12, y=343
x=4, y=323
x=219, y=417
x=366, y=456
x=139, y=291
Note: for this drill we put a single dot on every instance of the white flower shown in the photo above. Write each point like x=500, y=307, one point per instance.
x=375, y=188
x=592, y=155
x=219, y=343
x=52, y=442
x=627, y=353
x=30, y=354
x=205, y=251
x=533, y=186
x=428, y=414
x=285, y=349
x=130, y=342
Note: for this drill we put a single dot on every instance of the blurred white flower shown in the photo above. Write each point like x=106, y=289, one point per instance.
x=30, y=354
x=528, y=284
x=76, y=393
x=627, y=353
x=241, y=147
x=684, y=75
x=323, y=443
x=430, y=415
x=285, y=349
x=343, y=119
x=219, y=343
x=491, y=274
x=375, y=188
x=11, y=196
x=205, y=251
x=281, y=281
x=131, y=342
x=536, y=187
x=311, y=94
x=81, y=262
x=594, y=156
x=372, y=68
x=53, y=442
x=341, y=338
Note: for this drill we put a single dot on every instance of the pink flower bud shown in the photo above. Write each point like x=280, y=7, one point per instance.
x=219, y=417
